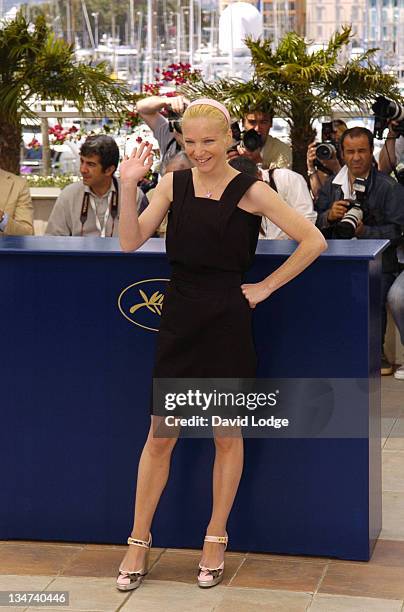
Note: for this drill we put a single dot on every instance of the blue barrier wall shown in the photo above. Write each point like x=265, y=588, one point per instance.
x=75, y=372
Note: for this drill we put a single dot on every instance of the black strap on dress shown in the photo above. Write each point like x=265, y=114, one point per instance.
x=232, y=195
x=182, y=189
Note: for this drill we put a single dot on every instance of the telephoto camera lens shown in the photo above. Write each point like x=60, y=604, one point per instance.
x=252, y=140
x=325, y=150
x=400, y=174
x=346, y=228
x=174, y=121
x=386, y=110
x=383, y=107
x=397, y=110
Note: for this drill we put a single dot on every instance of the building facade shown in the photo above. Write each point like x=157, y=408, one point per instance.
x=385, y=30
x=324, y=17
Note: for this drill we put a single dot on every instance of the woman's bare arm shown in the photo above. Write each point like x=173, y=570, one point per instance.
x=134, y=230
x=262, y=200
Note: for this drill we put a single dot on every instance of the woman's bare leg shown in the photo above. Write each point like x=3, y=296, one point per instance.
x=153, y=471
x=227, y=472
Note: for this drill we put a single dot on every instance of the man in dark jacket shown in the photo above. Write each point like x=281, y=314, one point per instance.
x=383, y=209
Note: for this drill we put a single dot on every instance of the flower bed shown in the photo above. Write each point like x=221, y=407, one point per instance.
x=61, y=181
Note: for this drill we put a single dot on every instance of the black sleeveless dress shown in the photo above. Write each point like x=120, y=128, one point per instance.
x=205, y=328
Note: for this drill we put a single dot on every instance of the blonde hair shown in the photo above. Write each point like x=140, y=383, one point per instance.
x=206, y=111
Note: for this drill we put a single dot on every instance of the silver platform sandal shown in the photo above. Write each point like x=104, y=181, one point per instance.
x=210, y=576
x=127, y=581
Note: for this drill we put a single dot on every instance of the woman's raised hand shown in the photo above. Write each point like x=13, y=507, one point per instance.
x=137, y=165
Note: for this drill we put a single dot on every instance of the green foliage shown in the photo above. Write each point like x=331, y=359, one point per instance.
x=33, y=62
x=59, y=181
x=300, y=85
x=297, y=83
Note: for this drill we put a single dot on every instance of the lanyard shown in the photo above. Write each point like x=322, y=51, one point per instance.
x=101, y=228
x=112, y=209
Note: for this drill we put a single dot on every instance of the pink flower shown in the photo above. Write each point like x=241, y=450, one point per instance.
x=34, y=144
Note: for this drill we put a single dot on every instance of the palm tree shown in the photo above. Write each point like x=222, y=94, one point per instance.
x=301, y=85
x=34, y=64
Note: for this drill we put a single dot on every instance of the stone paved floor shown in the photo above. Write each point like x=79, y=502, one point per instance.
x=253, y=582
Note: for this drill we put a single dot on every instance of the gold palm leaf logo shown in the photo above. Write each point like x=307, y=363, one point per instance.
x=154, y=303
x=141, y=303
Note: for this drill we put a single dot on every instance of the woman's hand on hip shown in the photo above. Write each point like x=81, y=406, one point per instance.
x=255, y=293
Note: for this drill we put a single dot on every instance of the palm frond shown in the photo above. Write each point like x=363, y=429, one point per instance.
x=337, y=42
x=33, y=62
x=301, y=85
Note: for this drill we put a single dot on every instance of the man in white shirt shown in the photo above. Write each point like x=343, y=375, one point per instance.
x=291, y=187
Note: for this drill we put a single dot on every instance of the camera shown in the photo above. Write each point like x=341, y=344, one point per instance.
x=174, y=121
x=251, y=140
x=147, y=184
x=399, y=172
x=346, y=228
x=328, y=148
x=386, y=110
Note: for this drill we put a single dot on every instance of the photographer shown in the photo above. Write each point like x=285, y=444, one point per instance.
x=389, y=114
x=382, y=209
x=270, y=151
x=392, y=153
x=319, y=170
x=167, y=132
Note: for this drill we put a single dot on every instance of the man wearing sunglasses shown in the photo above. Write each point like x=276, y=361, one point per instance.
x=166, y=131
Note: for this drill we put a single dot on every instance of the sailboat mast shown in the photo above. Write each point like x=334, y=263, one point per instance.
x=149, y=55
x=191, y=31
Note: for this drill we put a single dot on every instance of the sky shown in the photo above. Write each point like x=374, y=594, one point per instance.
x=9, y=3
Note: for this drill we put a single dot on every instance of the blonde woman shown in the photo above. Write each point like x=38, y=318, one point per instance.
x=213, y=224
